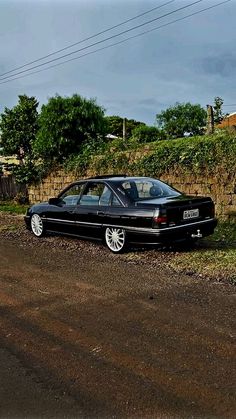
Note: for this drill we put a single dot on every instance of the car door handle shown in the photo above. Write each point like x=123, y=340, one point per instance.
x=100, y=213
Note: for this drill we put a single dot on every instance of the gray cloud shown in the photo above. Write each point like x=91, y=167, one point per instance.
x=149, y=102
x=192, y=61
x=223, y=64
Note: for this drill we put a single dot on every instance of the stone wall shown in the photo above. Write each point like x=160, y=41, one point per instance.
x=50, y=186
x=221, y=189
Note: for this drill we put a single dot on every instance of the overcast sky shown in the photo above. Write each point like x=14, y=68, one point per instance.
x=192, y=60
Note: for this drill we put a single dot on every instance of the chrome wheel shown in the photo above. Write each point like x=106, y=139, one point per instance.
x=37, y=225
x=115, y=239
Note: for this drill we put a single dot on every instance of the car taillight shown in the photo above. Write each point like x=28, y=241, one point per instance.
x=159, y=219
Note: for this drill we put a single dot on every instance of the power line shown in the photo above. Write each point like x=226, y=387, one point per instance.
x=233, y=104
x=88, y=38
x=120, y=42
x=106, y=39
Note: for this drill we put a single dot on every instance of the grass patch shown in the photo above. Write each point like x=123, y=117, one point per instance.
x=12, y=207
x=213, y=257
x=225, y=232
x=213, y=263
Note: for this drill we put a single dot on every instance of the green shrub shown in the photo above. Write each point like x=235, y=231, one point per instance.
x=211, y=154
x=215, y=154
x=145, y=134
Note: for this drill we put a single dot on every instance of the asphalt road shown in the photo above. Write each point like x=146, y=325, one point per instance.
x=89, y=334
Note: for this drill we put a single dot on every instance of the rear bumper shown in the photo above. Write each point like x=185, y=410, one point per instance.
x=175, y=233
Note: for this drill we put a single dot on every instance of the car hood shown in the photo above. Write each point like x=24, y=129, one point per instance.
x=39, y=205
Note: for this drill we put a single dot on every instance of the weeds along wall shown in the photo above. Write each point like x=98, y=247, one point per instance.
x=197, y=166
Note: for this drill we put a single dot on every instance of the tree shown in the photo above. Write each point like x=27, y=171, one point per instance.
x=18, y=128
x=217, y=108
x=114, y=125
x=65, y=123
x=146, y=134
x=182, y=118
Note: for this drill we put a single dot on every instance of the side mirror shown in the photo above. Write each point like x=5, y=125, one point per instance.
x=54, y=201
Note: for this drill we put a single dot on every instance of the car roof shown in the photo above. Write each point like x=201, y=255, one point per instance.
x=117, y=178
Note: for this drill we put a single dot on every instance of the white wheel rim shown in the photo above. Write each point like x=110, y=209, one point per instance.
x=115, y=238
x=36, y=225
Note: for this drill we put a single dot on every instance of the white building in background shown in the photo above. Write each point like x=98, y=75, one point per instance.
x=111, y=136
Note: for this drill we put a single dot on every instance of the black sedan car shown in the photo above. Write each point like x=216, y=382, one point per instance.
x=121, y=210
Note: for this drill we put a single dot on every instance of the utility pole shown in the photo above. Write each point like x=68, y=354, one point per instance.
x=210, y=120
x=124, y=129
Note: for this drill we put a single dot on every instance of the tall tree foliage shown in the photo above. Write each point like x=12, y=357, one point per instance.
x=217, y=107
x=146, y=134
x=18, y=128
x=65, y=123
x=182, y=118
x=114, y=126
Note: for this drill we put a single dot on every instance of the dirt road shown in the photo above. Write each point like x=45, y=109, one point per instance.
x=92, y=334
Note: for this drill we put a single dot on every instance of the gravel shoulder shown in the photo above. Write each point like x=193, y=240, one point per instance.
x=212, y=259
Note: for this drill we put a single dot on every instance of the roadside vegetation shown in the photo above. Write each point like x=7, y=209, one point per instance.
x=213, y=154
x=213, y=257
x=212, y=263
x=12, y=207
x=74, y=130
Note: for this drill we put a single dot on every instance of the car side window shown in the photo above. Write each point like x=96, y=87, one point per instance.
x=115, y=202
x=95, y=194
x=105, y=198
x=71, y=196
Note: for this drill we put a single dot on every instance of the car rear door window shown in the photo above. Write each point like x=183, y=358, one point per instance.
x=105, y=198
x=96, y=194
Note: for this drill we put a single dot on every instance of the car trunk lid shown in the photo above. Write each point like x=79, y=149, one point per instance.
x=171, y=211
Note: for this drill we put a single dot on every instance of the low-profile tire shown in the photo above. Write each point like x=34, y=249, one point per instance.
x=115, y=239
x=36, y=224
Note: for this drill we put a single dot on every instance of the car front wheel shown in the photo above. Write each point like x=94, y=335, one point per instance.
x=37, y=225
x=115, y=239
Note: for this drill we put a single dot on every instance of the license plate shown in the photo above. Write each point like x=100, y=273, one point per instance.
x=194, y=213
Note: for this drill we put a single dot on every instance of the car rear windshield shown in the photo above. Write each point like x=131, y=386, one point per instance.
x=142, y=189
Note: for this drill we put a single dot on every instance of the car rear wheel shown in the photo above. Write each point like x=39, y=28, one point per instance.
x=115, y=239
x=37, y=225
